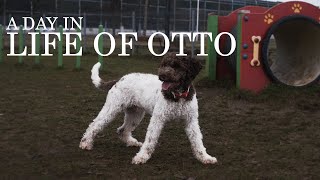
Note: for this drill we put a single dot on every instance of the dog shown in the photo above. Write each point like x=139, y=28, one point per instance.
x=170, y=95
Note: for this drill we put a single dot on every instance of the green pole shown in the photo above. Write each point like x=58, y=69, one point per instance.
x=238, y=49
x=20, y=60
x=1, y=43
x=37, y=58
x=60, y=56
x=78, y=61
x=211, y=63
x=100, y=44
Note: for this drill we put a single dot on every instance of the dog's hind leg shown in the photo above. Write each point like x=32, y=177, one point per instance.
x=106, y=115
x=132, y=118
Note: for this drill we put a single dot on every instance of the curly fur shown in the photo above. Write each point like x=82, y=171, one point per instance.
x=137, y=94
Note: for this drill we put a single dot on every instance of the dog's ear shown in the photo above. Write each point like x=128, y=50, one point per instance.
x=194, y=68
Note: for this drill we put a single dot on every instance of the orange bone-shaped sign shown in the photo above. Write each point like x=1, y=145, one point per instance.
x=255, y=61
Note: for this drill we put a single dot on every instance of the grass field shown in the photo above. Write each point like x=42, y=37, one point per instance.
x=44, y=112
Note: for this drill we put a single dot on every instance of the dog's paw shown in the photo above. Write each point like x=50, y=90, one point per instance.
x=140, y=159
x=131, y=141
x=207, y=159
x=134, y=143
x=85, y=145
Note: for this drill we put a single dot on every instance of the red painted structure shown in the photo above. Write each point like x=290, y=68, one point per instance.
x=256, y=21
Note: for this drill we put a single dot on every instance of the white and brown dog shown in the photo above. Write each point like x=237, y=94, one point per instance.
x=168, y=96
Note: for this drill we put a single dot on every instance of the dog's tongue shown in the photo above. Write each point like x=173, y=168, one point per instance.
x=166, y=85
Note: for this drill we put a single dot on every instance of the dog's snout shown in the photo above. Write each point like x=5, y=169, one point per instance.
x=166, y=74
x=162, y=77
x=167, y=70
x=163, y=74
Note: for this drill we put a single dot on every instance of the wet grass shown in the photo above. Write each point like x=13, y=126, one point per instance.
x=44, y=111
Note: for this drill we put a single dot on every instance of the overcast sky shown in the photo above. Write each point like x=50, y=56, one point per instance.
x=315, y=2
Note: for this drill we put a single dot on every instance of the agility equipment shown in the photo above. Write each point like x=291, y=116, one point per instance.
x=78, y=46
x=60, y=51
x=280, y=44
x=37, y=41
x=1, y=43
x=38, y=45
x=21, y=42
x=100, y=44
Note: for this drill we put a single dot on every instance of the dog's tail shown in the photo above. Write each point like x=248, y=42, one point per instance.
x=98, y=82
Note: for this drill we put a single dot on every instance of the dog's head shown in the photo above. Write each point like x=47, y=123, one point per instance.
x=178, y=71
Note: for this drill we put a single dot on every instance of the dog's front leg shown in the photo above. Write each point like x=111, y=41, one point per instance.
x=154, y=129
x=194, y=134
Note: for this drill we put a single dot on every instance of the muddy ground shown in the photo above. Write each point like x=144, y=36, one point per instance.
x=44, y=112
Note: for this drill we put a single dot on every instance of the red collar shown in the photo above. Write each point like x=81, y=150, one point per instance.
x=178, y=95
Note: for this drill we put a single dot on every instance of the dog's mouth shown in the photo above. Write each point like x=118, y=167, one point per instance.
x=169, y=85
